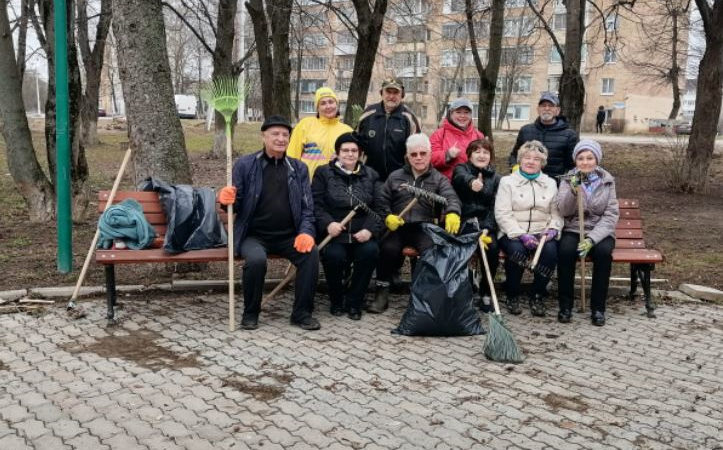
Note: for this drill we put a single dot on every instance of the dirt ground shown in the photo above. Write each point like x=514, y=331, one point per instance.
x=686, y=228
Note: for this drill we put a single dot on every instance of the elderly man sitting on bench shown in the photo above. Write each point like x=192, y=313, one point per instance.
x=405, y=228
x=274, y=210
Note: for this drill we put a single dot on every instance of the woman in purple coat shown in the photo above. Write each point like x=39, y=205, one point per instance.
x=601, y=214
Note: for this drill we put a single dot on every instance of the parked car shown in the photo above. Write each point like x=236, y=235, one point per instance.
x=187, y=106
x=683, y=128
x=101, y=112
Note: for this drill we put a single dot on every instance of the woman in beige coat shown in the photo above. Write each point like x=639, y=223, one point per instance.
x=525, y=210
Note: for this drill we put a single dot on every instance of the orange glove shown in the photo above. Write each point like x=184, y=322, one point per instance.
x=304, y=243
x=227, y=195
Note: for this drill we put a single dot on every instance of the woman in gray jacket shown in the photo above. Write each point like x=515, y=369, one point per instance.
x=601, y=214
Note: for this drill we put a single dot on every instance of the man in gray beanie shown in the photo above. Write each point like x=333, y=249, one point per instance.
x=550, y=128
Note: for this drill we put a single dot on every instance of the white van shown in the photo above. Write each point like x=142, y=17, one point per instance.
x=187, y=106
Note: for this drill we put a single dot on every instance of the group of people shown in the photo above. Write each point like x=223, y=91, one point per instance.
x=365, y=194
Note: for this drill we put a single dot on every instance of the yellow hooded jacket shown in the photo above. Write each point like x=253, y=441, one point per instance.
x=312, y=141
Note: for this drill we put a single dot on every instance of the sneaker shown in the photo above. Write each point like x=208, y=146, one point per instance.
x=537, y=305
x=513, y=306
x=249, y=322
x=355, y=313
x=564, y=316
x=308, y=323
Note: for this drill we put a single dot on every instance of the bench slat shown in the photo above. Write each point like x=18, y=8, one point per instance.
x=157, y=255
x=627, y=214
x=625, y=224
x=642, y=256
x=629, y=234
x=625, y=203
x=629, y=243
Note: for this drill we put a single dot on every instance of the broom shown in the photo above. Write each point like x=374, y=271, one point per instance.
x=224, y=96
x=500, y=345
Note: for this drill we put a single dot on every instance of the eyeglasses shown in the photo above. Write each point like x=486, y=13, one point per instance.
x=418, y=154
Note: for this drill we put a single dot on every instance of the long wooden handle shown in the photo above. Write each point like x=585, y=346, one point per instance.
x=292, y=273
x=581, y=228
x=94, y=242
x=490, y=281
x=229, y=232
x=538, y=252
x=402, y=213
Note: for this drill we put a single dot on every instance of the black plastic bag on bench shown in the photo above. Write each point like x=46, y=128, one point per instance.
x=193, y=223
x=441, y=293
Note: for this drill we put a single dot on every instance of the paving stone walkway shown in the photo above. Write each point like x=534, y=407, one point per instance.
x=171, y=376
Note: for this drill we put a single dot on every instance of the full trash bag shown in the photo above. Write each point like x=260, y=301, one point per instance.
x=441, y=293
x=193, y=222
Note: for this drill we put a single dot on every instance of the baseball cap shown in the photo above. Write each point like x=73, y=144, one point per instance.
x=460, y=103
x=275, y=121
x=549, y=97
x=392, y=83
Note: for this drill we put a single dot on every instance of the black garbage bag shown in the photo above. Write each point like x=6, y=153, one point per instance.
x=193, y=222
x=441, y=294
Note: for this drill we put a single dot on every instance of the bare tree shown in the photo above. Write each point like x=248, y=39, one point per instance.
x=93, y=65
x=708, y=100
x=45, y=31
x=24, y=167
x=154, y=129
x=487, y=73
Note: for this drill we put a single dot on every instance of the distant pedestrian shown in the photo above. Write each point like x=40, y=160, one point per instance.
x=600, y=119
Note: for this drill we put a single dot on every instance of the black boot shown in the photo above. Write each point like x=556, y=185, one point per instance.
x=513, y=306
x=564, y=316
x=598, y=318
x=537, y=305
x=381, y=299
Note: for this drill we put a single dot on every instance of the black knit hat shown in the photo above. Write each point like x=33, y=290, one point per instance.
x=348, y=137
x=275, y=121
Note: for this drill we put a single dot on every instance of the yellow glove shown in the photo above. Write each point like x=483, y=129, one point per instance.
x=451, y=223
x=393, y=222
x=486, y=241
x=515, y=168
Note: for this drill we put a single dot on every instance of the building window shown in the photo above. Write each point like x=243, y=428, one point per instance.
x=559, y=21
x=518, y=112
x=471, y=85
x=306, y=106
x=522, y=55
x=310, y=86
x=314, y=40
x=414, y=85
x=612, y=22
x=345, y=62
x=520, y=84
x=313, y=63
x=610, y=56
x=553, y=84
x=342, y=84
x=345, y=37
x=454, y=30
x=412, y=33
x=555, y=56
x=520, y=26
x=409, y=59
x=608, y=86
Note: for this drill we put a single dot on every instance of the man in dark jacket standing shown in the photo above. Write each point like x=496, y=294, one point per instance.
x=552, y=130
x=274, y=210
x=385, y=127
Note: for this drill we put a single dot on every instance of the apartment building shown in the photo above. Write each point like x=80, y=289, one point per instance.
x=425, y=44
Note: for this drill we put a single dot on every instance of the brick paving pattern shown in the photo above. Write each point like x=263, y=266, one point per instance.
x=635, y=383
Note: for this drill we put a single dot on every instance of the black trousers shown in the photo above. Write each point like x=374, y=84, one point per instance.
x=336, y=257
x=517, y=258
x=390, y=251
x=599, y=127
x=493, y=258
x=254, y=251
x=602, y=259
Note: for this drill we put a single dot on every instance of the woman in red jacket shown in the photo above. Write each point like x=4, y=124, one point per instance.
x=451, y=139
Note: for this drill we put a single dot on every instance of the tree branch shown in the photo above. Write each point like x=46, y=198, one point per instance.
x=193, y=30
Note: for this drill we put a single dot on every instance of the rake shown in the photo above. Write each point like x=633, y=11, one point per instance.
x=417, y=193
x=224, y=96
x=500, y=344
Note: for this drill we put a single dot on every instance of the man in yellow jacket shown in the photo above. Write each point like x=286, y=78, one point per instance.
x=312, y=140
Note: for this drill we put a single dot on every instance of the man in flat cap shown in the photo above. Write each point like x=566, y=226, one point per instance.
x=385, y=127
x=274, y=211
x=553, y=131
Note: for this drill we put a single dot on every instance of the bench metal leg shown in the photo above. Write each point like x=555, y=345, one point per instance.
x=642, y=272
x=110, y=293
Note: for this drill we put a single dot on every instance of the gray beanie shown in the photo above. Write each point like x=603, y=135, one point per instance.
x=588, y=144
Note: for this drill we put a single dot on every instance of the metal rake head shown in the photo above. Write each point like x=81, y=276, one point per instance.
x=423, y=193
x=358, y=204
x=223, y=95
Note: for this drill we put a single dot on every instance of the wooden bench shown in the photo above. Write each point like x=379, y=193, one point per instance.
x=153, y=211
x=630, y=249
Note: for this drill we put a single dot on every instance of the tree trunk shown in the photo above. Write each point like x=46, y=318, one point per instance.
x=572, y=87
x=708, y=101
x=369, y=30
x=93, y=63
x=261, y=35
x=674, y=74
x=154, y=130
x=223, y=67
x=22, y=37
x=487, y=74
x=27, y=174
x=79, y=189
x=279, y=12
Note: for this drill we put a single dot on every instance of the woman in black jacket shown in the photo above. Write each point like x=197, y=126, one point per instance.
x=476, y=183
x=339, y=187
